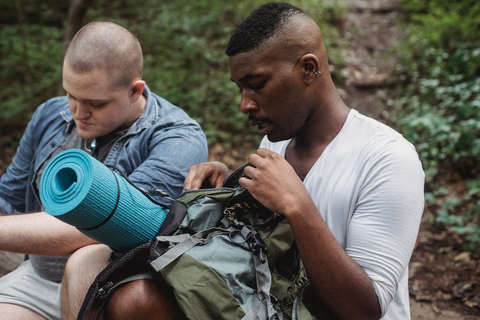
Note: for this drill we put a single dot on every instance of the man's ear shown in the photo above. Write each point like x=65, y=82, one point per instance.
x=136, y=90
x=311, y=67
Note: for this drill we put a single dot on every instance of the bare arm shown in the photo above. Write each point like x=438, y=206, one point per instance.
x=340, y=283
x=39, y=233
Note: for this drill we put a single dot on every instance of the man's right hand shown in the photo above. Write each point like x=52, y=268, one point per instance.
x=213, y=173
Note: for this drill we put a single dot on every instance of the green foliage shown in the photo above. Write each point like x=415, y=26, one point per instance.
x=183, y=43
x=440, y=110
x=442, y=22
x=29, y=69
x=440, y=106
x=466, y=225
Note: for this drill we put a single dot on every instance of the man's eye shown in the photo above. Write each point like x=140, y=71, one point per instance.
x=258, y=86
x=98, y=105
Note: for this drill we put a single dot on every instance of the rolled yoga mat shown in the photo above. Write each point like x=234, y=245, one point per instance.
x=81, y=191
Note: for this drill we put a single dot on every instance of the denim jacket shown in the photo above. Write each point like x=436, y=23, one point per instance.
x=157, y=151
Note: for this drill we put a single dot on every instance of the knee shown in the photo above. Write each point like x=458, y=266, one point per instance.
x=75, y=261
x=143, y=299
x=86, y=262
x=129, y=298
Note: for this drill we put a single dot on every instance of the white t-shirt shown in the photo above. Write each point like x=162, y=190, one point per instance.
x=368, y=187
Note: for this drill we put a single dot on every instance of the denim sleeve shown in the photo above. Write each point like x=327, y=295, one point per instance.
x=171, y=152
x=14, y=182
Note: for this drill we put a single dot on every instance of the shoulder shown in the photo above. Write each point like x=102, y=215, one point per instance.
x=367, y=128
x=54, y=110
x=364, y=133
x=163, y=120
x=53, y=107
x=379, y=148
x=58, y=103
x=168, y=111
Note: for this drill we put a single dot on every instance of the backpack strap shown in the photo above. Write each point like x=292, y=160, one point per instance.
x=107, y=290
x=296, y=302
x=264, y=309
x=184, y=243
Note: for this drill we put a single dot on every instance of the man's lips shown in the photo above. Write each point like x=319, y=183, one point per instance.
x=82, y=123
x=256, y=121
x=262, y=124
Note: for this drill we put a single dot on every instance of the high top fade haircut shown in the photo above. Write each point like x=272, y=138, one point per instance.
x=261, y=25
x=106, y=46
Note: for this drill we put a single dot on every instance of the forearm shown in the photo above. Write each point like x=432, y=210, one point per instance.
x=39, y=233
x=339, y=282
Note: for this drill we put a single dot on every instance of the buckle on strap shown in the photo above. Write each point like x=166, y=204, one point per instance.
x=259, y=248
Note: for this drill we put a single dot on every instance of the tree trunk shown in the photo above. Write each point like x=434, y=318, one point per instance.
x=76, y=13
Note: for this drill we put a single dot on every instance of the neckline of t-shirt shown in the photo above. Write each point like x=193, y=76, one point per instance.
x=351, y=114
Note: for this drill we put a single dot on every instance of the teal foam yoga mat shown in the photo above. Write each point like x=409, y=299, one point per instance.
x=81, y=191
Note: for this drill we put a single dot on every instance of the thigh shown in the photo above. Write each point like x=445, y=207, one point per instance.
x=24, y=289
x=80, y=271
x=14, y=312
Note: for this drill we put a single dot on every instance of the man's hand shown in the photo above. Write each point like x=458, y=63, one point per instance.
x=274, y=182
x=212, y=172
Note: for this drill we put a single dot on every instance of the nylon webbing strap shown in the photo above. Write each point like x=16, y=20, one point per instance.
x=138, y=276
x=264, y=309
x=296, y=302
x=186, y=244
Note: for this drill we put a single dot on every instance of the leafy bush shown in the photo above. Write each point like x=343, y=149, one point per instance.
x=440, y=106
x=183, y=42
x=29, y=70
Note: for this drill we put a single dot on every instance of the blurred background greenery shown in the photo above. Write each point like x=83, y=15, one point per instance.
x=438, y=107
x=183, y=42
x=437, y=97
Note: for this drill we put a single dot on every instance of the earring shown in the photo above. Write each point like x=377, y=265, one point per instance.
x=316, y=73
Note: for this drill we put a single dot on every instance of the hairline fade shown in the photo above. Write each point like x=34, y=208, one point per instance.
x=106, y=46
x=260, y=26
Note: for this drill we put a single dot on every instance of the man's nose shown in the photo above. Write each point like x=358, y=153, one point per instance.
x=82, y=110
x=246, y=104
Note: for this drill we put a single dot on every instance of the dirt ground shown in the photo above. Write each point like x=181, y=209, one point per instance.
x=444, y=281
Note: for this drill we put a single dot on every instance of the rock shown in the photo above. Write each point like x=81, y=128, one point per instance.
x=371, y=80
x=463, y=289
x=414, y=268
x=463, y=257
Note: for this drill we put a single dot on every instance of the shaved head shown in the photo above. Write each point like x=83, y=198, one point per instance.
x=106, y=46
x=285, y=30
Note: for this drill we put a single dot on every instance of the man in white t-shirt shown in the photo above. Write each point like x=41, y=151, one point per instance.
x=350, y=187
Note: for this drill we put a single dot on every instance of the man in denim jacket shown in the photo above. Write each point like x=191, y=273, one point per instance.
x=110, y=113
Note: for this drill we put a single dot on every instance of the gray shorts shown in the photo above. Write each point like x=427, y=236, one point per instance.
x=25, y=288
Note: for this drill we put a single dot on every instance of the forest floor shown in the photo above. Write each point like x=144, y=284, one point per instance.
x=444, y=281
